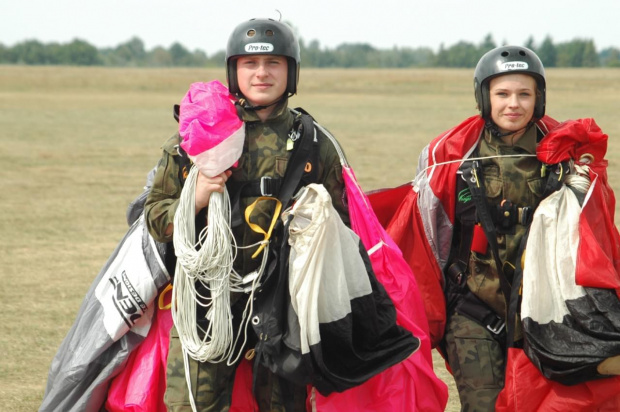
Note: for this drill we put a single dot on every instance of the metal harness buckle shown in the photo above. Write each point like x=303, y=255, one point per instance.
x=497, y=326
x=266, y=188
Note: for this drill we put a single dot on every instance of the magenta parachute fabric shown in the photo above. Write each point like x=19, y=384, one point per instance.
x=212, y=132
x=411, y=385
x=141, y=384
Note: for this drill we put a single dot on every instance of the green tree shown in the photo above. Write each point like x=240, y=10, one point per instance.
x=529, y=43
x=353, y=55
x=487, y=44
x=610, y=57
x=30, y=52
x=158, y=57
x=79, y=53
x=130, y=53
x=6, y=54
x=404, y=57
x=217, y=60
x=419, y=57
x=56, y=54
x=441, y=58
x=311, y=54
x=568, y=55
x=180, y=55
x=198, y=59
x=590, y=56
x=548, y=53
x=463, y=54
x=577, y=53
x=614, y=58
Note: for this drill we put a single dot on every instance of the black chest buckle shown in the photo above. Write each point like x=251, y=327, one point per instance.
x=506, y=216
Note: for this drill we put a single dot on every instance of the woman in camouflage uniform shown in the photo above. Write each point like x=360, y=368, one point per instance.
x=464, y=229
x=509, y=85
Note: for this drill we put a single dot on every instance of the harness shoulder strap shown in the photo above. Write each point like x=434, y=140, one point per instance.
x=297, y=162
x=466, y=217
x=473, y=176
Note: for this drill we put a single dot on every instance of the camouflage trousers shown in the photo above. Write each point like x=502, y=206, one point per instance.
x=212, y=385
x=477, y=363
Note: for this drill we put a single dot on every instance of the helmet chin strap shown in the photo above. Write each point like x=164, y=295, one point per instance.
x=243, y=102
x=494, y=129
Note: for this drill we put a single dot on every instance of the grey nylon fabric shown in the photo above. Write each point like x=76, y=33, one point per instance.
x=114, y=319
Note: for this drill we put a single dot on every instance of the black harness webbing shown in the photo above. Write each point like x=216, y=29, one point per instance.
x=459, y=297
x=472, y=173
x=472, y=307
x=298, y=160
x=555, y=179
x=470, y=304
x=273, y=282
x=281, y=188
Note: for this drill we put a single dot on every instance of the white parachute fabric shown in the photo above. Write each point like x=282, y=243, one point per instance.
x=114, y=319
x=325, y=272
x=569, y=329
x=550, y=258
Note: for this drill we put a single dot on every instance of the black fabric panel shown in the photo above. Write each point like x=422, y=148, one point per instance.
x=352, y=349
x=348, y=355
x=569, y=352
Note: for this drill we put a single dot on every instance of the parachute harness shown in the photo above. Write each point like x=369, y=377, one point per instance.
x=577, y=177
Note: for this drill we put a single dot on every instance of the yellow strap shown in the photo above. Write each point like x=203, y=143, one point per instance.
x=161, y=298
x=257, y=228
x=473, y=172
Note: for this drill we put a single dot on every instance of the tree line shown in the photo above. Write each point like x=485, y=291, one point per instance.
x=574, y=53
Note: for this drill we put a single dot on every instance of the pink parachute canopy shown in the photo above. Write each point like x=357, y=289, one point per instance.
x=212, y=132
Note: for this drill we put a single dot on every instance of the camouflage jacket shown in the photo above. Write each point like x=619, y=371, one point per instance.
x=516, y=179
x=265, y=153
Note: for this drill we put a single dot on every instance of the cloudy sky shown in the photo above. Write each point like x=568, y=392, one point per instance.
x=206, y=24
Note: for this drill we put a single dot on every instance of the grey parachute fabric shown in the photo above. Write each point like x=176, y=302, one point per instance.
x=135, y=208
x=114, y=319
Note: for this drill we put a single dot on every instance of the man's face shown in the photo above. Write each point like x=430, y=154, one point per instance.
x=262, y=78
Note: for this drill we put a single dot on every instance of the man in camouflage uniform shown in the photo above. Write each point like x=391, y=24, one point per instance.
x=512, y=182
x=262, y=82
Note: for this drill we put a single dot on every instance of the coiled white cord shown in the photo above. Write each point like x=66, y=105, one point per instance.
x=208, y=263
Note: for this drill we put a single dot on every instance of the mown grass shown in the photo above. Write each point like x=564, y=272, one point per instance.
x=76, y=145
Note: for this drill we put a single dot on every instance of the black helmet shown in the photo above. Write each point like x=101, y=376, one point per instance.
x=505, y=60
x=262, y=36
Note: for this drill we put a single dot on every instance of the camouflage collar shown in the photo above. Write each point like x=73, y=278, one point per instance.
x=527, y=142
x=277, y=114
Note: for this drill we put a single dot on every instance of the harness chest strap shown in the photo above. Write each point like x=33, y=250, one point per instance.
x=281, y=188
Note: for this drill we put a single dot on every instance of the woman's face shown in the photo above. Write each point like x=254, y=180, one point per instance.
x=513, y=98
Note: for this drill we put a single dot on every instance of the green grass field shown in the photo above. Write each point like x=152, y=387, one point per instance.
x=76, y=145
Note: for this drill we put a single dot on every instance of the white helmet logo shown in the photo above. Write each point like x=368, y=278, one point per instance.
x=259, y=47
x=513, y=66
